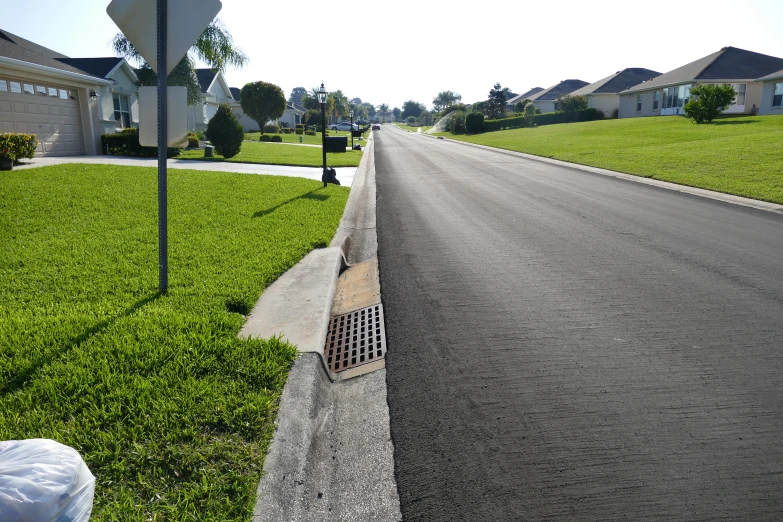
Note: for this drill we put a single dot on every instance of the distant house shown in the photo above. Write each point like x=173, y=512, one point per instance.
x=292, y=116
x=68, y=103
x=214, y=91
x=604, y=94
x=519, y=97
x=546, y=100
x=771, y=93
x=668, y=93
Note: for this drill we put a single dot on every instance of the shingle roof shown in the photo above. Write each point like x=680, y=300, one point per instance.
x=298, y=107
x=235, y=92
x=30, y=46
x=556, y=91
x=730, y=63
x=618, y=81
x=205, y=78
x=525, y=95
x=99, y=67
x=12, y=50
x=774, y=76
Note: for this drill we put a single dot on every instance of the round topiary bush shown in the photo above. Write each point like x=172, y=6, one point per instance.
x=265, y=137
x=277, y=139
x=225, y=132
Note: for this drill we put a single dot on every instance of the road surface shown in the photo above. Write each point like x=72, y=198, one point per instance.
x=569, y=346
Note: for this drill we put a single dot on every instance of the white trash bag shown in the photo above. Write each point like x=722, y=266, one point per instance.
x=43, y=481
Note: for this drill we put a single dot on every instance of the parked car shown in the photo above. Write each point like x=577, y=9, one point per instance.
x=343, y=126
x=376, y=126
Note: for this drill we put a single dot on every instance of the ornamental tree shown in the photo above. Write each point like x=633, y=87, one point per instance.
x=707, y=101
x=262, y=102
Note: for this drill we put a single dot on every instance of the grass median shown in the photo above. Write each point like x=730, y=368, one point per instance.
x=308, y=140
x=737, y=155
x=171, y=411
x=282, y=154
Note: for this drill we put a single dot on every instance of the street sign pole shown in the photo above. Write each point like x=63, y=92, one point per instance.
x=163, y=233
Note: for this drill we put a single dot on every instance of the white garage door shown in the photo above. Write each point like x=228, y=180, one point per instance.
x=47, y=110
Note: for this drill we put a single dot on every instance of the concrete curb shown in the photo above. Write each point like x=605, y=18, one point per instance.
x=307, y=415
x=718, y=196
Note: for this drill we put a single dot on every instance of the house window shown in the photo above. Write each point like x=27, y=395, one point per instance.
x=63, y=94
x=656, y=95
x=121, y=111
x=16, y=87
x=40, y=89
x=3, y=86
x=638, y=103
x=52, y=92
x=28, y=89
x=740, y=98
x=777, y=95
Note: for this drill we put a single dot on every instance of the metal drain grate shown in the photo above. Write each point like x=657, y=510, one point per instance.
x=355, y=338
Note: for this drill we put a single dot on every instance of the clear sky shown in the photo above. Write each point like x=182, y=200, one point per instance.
x=389, y=52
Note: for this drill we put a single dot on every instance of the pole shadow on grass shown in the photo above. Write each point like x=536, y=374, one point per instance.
x=308, y=195
x=19, y=380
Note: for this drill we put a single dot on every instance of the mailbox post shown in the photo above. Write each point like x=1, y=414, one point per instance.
x=352, y=130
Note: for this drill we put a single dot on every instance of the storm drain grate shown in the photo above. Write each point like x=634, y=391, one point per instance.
x=355, y=338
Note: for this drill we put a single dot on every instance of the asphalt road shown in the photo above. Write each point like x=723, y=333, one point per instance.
x=569, y=346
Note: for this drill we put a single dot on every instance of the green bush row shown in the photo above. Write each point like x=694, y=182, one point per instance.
x=274, y=138
x=271, y=129
x=15, y=146
x=126, y=143
x=310, y=133
x=547, y=118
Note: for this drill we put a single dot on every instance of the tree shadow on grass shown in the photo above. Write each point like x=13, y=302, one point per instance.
x=308, y=195
x=735, y=122
x=23, y=376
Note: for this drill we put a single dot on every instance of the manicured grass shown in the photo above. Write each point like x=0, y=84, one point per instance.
x=739, y=155
x=424, y=128
x=310, y=140
x=279, y=154
x=171, y=411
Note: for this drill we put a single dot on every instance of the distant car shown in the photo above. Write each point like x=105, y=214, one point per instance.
x=343, y=126
x=376, y=126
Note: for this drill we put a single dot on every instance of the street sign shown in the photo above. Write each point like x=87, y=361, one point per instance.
x=187, y=19
x=177, y=116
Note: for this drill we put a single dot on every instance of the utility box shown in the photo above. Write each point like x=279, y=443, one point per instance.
x=336, y=143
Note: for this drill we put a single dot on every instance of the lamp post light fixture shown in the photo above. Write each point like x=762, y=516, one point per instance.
x=351, y=130
x=322, y=101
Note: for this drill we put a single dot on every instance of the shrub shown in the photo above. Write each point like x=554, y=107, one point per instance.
x=276, y=139
x=474, y=123
x=192, y=140
x=271, y=129
x=411, y=120
x=572, y=105
x=126, y=143
x=457, y=123
x=310, y=133
x=225, y=132
x=201, y=135
x=707, y=101
x=15, y=146
x=615, y=114
x=300, y=129
x=264, y=137
x=286, y=130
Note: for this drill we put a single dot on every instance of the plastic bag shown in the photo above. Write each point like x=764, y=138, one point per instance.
x=42, y=480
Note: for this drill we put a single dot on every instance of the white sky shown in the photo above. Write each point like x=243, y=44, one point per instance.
x=413, y=49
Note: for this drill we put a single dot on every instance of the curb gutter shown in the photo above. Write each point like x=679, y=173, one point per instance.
x=718, y=196
x=331, y=457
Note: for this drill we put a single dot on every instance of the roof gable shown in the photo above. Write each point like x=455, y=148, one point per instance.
x=235, y=92
x=774, y=76
x=99, y=67
x=558, y=90
x=525, y=95
x=30, y=46
x=619, y=81
x=205, y=78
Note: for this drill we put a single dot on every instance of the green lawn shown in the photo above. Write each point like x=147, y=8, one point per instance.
x=280, y=154
x=311, y=140
x=424, y=128
x=739, y=155
x=171, y=411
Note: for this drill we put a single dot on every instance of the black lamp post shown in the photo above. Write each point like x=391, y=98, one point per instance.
x=322, y=101
x=351, y=130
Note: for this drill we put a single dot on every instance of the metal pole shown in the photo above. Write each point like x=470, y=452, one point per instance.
x=163, y=240
x=351, y=130
x=323, y=139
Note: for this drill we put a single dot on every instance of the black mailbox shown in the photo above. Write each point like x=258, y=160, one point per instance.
x=336, y=143
x=356, y=133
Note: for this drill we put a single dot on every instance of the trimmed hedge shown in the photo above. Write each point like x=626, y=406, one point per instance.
x=286, y=130
x=547, y=118
x=193, y=140
x=14, y=146
x=273, y=138
x=271, y=129
x=277, y=139
x=300, y=129
x=126, y=143
x=474, y=123
x=310, y=133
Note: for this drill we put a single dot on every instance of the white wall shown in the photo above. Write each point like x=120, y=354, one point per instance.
x=767, y=91
x=606, y=103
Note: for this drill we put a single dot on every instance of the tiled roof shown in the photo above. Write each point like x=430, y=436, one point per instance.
x=730, y=63
x=618, y=81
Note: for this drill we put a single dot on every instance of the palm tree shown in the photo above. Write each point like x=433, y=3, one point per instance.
x=215, y=47
x=383, y=108
x=446, y=99
x=341, y=104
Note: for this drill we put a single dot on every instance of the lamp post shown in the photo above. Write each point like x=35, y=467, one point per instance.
x=351, y=130
x=322, y=101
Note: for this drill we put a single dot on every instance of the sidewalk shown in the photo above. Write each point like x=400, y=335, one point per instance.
x=344, y=174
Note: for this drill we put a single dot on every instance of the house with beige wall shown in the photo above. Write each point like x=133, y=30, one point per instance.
x=68, y=103
x=668, y=93
x=546, y=100
x=604, y=95
x=520, y=97
x=771, y=93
